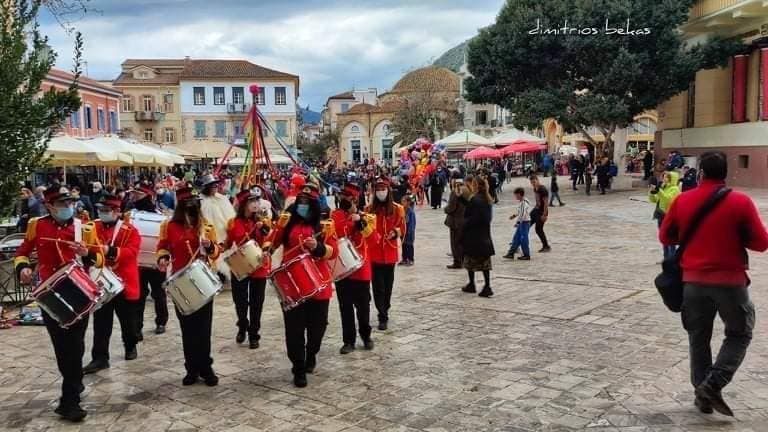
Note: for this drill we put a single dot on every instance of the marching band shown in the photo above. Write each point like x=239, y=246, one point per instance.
x=108, y=266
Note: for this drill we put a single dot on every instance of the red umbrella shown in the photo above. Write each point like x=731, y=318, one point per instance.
x=482, y=153
x=523, y=147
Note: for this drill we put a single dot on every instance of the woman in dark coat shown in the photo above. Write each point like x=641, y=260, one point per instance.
x=477, y=242
x=603, y=174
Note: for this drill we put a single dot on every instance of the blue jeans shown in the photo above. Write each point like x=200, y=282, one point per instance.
x=669, y=251
x=520, y=240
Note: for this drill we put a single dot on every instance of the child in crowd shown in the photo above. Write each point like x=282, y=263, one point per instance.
x=554, y=190
x=523, y=225
x=410, y=230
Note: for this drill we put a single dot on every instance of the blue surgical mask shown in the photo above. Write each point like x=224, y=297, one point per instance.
x=302, y=210
x=107, y=217
x=65, y=214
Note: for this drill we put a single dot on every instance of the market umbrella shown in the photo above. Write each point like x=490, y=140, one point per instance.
x=464, y=141
x=139, y=156
x=522, y=148
x=72, y=151
x=483, y=153
x=161, y=157
x=515, y=136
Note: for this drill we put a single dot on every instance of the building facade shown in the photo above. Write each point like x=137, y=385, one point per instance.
x=199, y=106
x=99, y=113
x=343, y=102
x=724, y=109
x=366, y=132
x=150, y=109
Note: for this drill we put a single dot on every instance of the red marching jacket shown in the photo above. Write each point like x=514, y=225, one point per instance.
x=360, y=234
x=181, y=243
x=123, y=254
x=293, y=246
x=240, y=231
x=382, y=248
x=53, y=255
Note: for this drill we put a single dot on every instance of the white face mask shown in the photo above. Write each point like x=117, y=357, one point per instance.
x=382, y=195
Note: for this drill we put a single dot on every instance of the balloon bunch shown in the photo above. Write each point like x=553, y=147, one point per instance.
x=421, y=159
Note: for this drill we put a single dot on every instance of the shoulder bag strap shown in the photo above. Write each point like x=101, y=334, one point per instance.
x=118, y=225
x=708, y=206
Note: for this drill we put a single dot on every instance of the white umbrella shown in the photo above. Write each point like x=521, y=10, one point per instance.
x=162, y=157
x=72, y=151
x=139, y=156
x=463, y=141
x=515, y=136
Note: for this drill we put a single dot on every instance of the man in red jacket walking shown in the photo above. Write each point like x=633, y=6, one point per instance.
x=714, y=265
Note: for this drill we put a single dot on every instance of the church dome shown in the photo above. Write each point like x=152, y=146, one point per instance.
x=428, y=79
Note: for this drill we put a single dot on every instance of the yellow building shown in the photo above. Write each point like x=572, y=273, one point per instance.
x=150, y=109
x=724, y=109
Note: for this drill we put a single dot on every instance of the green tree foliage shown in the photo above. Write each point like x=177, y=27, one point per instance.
x=28, y=115
x=589, y=73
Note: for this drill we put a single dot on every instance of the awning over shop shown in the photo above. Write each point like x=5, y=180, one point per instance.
x=522, y=148
x=464, y=141
x=515, y=136
x=483, y=153
x=65, y=150
x=208, y=150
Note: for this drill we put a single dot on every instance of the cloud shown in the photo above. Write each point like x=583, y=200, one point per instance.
x=331, y=45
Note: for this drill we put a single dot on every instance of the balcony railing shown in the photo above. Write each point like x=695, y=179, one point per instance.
x=150, y=116
x=242, y=108
x=706, y=7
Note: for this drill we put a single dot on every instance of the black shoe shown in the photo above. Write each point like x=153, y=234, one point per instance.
x=524, y=258
x=562, y=204
x=189, y=379
x=368, y=344
x=210, y=378
x=310, y=364
x=140, y=337
x=704, y=406
x=347, y=348
x=71, y=413
x=509, y=255
x=253, y=344
x=382, y=325
x=402, y=263
x=131, y=354
x=453, y=266
x=240, y=338
x=469, y=288
x=160, y=329
x=300, y=380
x=95, y=366
x=486, y=292
x=715, y=398
x=545, y=249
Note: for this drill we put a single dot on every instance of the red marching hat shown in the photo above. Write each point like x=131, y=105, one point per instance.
x=187, y=194
x=57, y=193
x=351, y=189
x=245, y=196
x=382, y=181
x=310, y=191
x=111, y=201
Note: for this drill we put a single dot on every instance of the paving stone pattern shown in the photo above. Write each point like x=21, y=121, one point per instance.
x=576, y=339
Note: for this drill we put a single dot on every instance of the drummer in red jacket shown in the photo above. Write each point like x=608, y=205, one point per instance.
x=41, y=236
x=354, y=291
x=384, y=247
x=248, y=294
x=120, y=242
x=180, y=243
x=300, y=231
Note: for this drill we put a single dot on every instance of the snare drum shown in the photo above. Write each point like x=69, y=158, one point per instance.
x=297, y=281
x=193, y=287
x=108, y=282
x=245, y=260
x=348, y=261
x=68, y=295
x=148, y=225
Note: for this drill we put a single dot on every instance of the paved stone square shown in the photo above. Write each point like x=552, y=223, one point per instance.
x=573, y=340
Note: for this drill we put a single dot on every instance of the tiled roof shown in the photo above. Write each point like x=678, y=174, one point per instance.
x=428, y=79
x=230, y=69
x=365, y=108
x=67, y=77
x=362, y=109
x=127, y=79
x=154, y=62
x=345, y=95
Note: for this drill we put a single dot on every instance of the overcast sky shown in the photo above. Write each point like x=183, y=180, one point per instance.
x=332, y=45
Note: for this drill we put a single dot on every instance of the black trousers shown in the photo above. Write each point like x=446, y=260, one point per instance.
x=248, y=295
x=69, y=347
x=408, y=251
x=383, y=279
x=354, y=298
x=539, y=227
x=151, y=282
x=102, y=326
x=457, y=248
x=436, y=196
x=700, y=306
x=196, y=338
x=304, y=330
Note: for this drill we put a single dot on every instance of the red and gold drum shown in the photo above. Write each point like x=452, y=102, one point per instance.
x=296, y=281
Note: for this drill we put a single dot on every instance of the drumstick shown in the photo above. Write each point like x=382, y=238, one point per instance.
x=68, y=242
